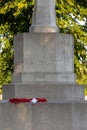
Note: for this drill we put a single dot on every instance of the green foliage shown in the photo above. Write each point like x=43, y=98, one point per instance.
x=69, y=14
x=15, y=17
x=82, y=3
x=6, y=61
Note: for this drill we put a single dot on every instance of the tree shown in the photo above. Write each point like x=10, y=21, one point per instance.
x=70, y=13
x=16, y=18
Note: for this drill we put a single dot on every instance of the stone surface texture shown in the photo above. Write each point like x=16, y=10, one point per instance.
x=44, y=63
x=43, y=57
x=44, y=68
x=43, y=116
x=52, y=91
x=44, y=17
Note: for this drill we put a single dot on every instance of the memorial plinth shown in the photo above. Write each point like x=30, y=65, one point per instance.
x=44, y=116
x=46, y=60
x=44, y=68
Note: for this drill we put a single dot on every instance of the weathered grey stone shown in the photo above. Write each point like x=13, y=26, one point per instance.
x=15, y=117
x=43, y=57
x=43, y=116
x=44, y=18
x=44, y=67
x=44, y=77
x=51, y=91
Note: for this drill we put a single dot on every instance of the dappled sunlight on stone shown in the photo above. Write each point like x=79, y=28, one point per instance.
x=0, y=96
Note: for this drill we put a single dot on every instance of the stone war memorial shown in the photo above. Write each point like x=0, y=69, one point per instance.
x=43, y=69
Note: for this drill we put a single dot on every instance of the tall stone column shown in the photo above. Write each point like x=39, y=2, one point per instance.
x=44, y=18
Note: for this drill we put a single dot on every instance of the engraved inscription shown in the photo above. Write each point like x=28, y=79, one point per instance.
x=66, y=52
x=39, y=76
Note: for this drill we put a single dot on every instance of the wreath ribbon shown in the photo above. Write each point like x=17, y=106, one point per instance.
x=23, y=100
